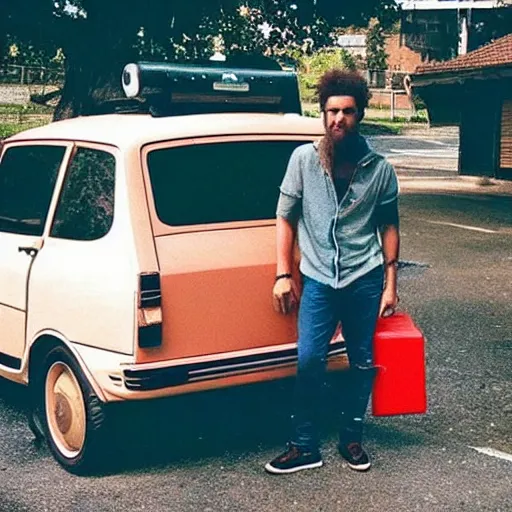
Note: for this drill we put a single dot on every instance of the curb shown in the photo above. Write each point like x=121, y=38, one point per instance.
x=450, y=184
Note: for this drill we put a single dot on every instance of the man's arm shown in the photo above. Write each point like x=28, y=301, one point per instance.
x=285, y=293
x=285, y=238
x=387, y=222
x=390, y=248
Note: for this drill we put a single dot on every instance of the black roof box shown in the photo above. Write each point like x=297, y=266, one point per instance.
x=178, y=89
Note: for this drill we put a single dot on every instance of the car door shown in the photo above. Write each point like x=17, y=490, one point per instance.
x=28, y=176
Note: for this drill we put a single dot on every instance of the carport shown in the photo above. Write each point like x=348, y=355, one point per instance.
x=474, y=91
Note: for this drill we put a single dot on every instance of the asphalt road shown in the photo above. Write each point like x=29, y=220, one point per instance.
x=206, y=452
x=422, y=147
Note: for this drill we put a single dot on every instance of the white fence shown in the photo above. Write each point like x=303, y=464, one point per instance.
x=29, y=75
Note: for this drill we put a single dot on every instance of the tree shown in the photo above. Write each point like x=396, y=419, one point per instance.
x=314, y=66
x=359, y=13
x=98, y=37
x=376, y=55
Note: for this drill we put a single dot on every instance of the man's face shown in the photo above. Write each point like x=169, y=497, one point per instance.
x=341, y=117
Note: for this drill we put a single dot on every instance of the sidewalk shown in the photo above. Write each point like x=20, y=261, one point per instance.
x=441, y=175
x=417, y=166
x=455, y=184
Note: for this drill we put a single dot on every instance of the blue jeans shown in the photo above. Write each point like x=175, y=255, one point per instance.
x=321, y=309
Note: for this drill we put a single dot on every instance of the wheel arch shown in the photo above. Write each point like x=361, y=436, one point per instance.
x=47, y=341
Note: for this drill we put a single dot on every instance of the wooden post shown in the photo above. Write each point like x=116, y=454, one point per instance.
x=392, y=109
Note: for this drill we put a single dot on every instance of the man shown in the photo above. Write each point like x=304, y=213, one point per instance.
x=340, y=199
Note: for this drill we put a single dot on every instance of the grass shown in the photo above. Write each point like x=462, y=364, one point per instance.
x=8, y=129
x=370, y=126
x=17, y=118
x=24, y=109
x=379, y=125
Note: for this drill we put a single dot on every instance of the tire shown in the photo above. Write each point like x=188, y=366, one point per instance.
x=35, y=422
x=68, y=413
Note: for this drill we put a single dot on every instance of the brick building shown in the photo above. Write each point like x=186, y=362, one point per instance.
x=401, y=57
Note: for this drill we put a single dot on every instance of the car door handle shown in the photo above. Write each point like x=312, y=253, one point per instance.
x=31, y=251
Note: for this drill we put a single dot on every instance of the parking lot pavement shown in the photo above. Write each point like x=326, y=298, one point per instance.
x=206, y=452
x=431, y=164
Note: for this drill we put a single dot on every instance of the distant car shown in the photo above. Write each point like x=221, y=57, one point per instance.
x=137, y=249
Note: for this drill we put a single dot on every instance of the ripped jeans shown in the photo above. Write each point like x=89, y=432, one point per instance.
x=321, y=309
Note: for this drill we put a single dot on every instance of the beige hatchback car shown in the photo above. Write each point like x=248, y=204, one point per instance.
x=137, y=248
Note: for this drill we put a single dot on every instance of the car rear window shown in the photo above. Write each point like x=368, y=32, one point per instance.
x=220, y=182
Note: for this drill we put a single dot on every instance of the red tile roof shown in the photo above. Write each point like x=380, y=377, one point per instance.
x=497, y=53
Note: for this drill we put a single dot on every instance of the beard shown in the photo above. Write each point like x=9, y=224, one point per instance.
x=333, y=150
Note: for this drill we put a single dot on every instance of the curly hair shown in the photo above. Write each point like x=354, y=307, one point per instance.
x=339, y=82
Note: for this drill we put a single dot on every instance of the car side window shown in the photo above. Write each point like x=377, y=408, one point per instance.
x=86, y=205
x=27, y=179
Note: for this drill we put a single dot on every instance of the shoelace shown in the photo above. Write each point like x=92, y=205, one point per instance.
x=355, y=450
x=292, y=453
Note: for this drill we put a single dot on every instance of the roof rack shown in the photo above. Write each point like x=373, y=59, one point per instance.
x=178, y=89
x=121, y=106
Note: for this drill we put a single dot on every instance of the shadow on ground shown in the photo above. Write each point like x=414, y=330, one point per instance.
x=232, y=424
x=196, y=428
x=13, y=396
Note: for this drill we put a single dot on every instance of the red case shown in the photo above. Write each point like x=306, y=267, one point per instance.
x=399, y=355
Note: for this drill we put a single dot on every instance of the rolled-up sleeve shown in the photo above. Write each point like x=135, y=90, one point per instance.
x=386, y=209
x=290, y=199
x=387, y=214
x=390, y=189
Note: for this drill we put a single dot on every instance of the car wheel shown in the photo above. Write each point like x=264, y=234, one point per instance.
x=70, y=414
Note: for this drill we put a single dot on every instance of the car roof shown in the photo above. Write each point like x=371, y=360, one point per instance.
x=135, y=130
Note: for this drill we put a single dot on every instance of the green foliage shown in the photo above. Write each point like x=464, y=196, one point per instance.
x=8, y=129
x=381, y=127
x=358, y=13
x=312, y=67
x=10, y=109
x=25, y=53
x=97, y=38
x=418, y=102
x=271, y=28
x=376, y=55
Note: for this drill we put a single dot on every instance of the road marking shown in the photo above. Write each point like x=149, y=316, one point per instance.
x=493, y=453
x=425, y=153
x=440, y=143
x=462, y=226
x=424, y=138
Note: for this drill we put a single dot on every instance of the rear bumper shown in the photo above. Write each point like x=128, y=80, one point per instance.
x=167, y=378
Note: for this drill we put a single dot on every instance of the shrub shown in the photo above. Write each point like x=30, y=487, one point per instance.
x=311, y=68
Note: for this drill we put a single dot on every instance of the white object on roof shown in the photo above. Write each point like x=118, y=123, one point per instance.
x=351, y=41
x=218, y=57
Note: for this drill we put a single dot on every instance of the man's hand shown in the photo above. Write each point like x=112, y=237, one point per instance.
x=285, y=296
x=388, y=302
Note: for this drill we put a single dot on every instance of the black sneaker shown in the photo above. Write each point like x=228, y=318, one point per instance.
x=355, y=455
x=293, y=460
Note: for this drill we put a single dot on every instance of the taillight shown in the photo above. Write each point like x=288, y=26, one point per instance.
x=150, y=310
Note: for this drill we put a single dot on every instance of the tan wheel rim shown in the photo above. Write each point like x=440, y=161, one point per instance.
x=65, y=409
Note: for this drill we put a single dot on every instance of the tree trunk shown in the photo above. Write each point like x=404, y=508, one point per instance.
x=97, y=49
x=89, y=81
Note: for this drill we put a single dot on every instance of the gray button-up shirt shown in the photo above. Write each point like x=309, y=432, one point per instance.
x=338, y=240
